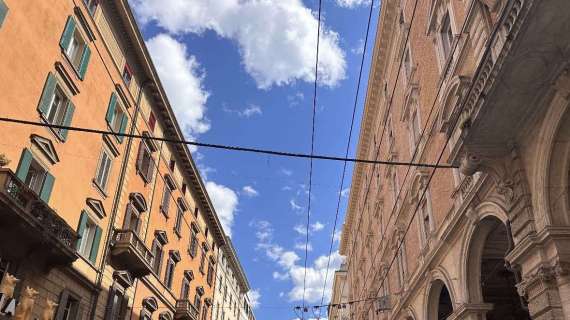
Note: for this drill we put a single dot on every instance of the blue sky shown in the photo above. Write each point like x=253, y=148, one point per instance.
x=240, y=72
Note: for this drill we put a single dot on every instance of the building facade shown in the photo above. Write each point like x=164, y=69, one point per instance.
x=96, y=226
x=230, y=298
x=338, y=309
x=483, y=86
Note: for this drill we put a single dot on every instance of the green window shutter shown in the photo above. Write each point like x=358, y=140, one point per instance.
x=81, y=227
x=67, y=33
x=47, y=94
x=95, y=246
x=111, y=109
x=67, y=119
x=84, y=62
x=3, y=12
x=24, y=165
x=124, y=121
x=47, y=187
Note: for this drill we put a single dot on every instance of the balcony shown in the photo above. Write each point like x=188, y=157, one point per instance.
x=185, y=310
x=129, y=252
x=30, y=228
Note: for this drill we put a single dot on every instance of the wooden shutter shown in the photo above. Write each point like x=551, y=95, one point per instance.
x=45, y=193
x=81, y=227
x=3, y=12
x=67, y=119
x=84, y=61
x=24, y=165
x=47, y=94
x=67, y=33
x=62, y=303
x=111, y=109
x=124, y=121
x=95, y=247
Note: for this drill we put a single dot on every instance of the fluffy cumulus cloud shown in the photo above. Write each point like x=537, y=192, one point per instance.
x=351, y=3
x=182, y=78
x=254, y=297
x=292, y=267
x=276, y=38
x=225, y=202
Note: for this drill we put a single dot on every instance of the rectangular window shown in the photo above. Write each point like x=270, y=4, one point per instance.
x=193, y=250
x=401, y=266
x=202, y=262
x=210, y=276
x=68, y=306
x=91, y=5
x=151, y=122
x=117, y=304
x=446, y=35
x=127, y=75
x=89, y=237
x=197, y=301
x=75, y=47
x=408, y=63
x=116, y=117
x=145, y=162
x=178, y=222
x=157, y=257
x=55, y=107
x=169, y=273
x=165, y=199
x=414, y=130
x=103, y=169
x=35, y=176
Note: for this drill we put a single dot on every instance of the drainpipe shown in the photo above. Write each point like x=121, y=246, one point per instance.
x=116, y=199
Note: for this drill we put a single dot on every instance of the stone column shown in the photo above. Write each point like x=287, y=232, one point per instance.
x=540, y=286
x=562, y=272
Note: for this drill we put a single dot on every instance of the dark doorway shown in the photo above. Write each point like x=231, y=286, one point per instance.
x=497, y=281
x=445, y=307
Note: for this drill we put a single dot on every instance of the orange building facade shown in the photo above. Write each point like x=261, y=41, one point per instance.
x=96, y=226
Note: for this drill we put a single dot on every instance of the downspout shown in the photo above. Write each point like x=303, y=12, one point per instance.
x=114, y=211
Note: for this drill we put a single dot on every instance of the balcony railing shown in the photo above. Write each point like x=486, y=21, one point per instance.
x=25, y=209
x=129, y=252
x=185, y=310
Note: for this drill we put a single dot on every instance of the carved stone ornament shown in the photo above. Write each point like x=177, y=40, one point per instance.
x=562, y=269
x=4, y=161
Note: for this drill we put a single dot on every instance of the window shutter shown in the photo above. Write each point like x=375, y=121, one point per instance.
x=150, y=169
x=67, y=33
x=3, y=12
x=124, y=121
x=47, y=187
x=45, y=100
x=67, y=119
x=111, y=108
x=140, y=157
x=24, y=165
x=62, y=303
x=81, y=227
x=84, y=62
x=124, y=307
x=95, y=247
x=110, y=298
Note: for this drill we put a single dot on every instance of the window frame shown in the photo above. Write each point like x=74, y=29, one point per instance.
x=71, y=39
x=104, y=185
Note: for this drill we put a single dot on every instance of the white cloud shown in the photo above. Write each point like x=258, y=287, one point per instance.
x=337, y=235
x=359, y=48
x=286, y=172
x=182, y=78
x=351, y=3
x=247, y=112
x=254, y=298
x=295, y=99
x=301, y=246
x=300, y=229
x=250, y=191
x=276, y=38
x=225, y=202
x=295, y=206
x=280, y=276
x=345, y=192
x=317, y=226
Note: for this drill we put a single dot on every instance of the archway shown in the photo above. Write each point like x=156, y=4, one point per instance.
x=489, y=276
x=440, y=303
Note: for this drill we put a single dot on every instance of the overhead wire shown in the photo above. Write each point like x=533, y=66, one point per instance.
x=364, y=49
x=312, y=152
x=220, y=146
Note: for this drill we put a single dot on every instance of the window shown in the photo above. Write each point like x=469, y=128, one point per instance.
x=91, y=5
x=202, y=261
x=117, y=304
x=193, y=249
x=204, y=312
x=401, y=260
x=68, y=306
x=3, y=12
x=165, y=199
x=183, y=188
x=35, y=176
x=206, y=232
x=145, y=162
x=89, y=237
x=169, y=273
x=132, y=219
x=157, y=252
x=414, y=127
x=408, y=63
x=75, y=48
x=196, y=212
x=185, y=289
x=197, y=300
x=178, y=222
x=446, y=36
x=116, y=117
x=55, y=107
x=172, y=165
x=426, y=219
x=151, y=122
x=103, y=169
x=210, y=276
x=395, y=187
x=127, y=75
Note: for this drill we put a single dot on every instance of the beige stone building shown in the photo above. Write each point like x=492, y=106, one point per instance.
x=337, y=310
x=489, y=81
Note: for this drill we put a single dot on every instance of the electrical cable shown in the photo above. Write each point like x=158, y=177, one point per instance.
x=347, y=151
x=223, y=147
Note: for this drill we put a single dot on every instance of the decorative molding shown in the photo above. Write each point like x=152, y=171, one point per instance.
x=83, y=21
x=175, y=255
x=150, y=304
x=189, y=274
x=111, y=145
x=97, y=207
x=122, y=95
x=64, y=75
x=123, y=277
x=138, y=201
x=161, y=236
x=46, y=146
